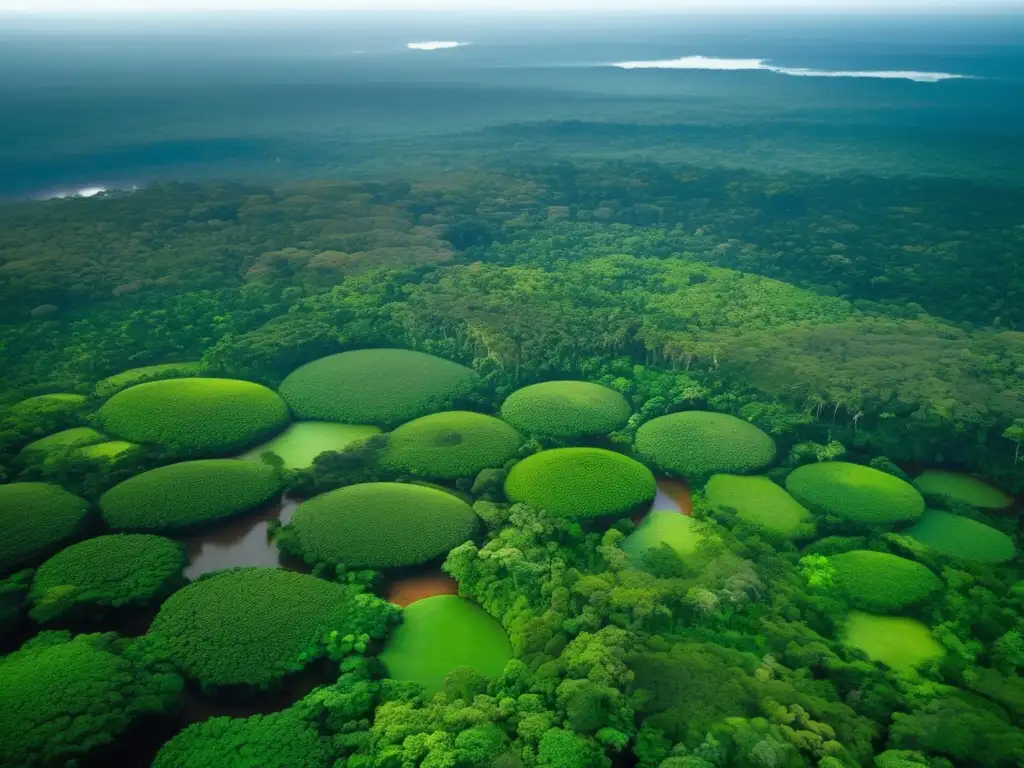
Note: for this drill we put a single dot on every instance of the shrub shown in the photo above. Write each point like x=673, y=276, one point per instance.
x=254, y=626
x=855, y=493
x=581, y=483
x=385, y=387
x=382, y=525
x=441, y=633
x=195, y=417
x=880, y=582
x=566, y=410
x=63, y=697
x=450, y=445
x=114, y=384
x=760, y=502
x=697, y=444
x=963, y=488
x=899, y=642
x=106, y=572
x=188, y=494
x=962, y=537
x=68, y=438
x=35, y=520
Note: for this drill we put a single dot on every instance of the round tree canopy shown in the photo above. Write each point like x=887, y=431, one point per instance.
x=855, y=493
x=36, y=519
x=963, y=488
x=880, y=582
x=566, y=410
x=962, y=537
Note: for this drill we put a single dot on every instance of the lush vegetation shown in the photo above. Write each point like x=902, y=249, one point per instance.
x=443, y=633
x=566, y=410
x=962, y=537
x=67, y=438
x=961, y=488
x=303, y=441
x=662, y=527
x=899, y=642
x=36, y=519
x=855, y=494
x=106, y=572
x=111, y=385
x=255, y=626
x=450, y=445
x=188, y=494
x=106, y=451
x=385, y=387
x=380, y=525
x=760, y=502
x=580, y=483
x=882, y=583
x=698, y=444
x=195, y=417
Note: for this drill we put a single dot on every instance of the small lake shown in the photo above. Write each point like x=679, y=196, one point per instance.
x=408, y=589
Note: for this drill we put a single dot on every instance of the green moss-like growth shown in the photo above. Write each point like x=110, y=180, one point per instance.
x=106, y=451
x=962, y=537
x=303, y=441
x=450, y=445
x=963, y=488
x=62, y=698
x=56, y=404
x=441, y=633
x=882, y=583
x=760, y=502
x=566, y=410
x=254, y=626
x=581, y=483
x=114, y=384
x=855, y=493
x=385, y=387
x=662, y=526
x=195, y=417
x=382, y=525
x=188, y=494
x=68, y=438
x=106, y=572
x=698, y=444
x=899, y=642
x=36, y=519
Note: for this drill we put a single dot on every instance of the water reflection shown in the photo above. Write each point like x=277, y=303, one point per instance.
x=673, y=495
x=408, y=589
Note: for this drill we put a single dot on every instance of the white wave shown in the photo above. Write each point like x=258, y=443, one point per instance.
x=706, y=62
x=435, y=45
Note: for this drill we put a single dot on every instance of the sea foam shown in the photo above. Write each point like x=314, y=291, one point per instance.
x=706, y=62
x=435, y=45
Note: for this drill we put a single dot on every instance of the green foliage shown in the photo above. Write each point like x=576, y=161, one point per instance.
x=962, y=537
x=106, y=572
x=660, y=528
x=882, y=583
x=45, y=407
x=68, y=438
x=63, y=697
x=565, y=749
x=697, y=444
x=760, y=502
x=187, y=494
x=581, y=483
x=300, y=444
x=385, y=387
x=899, y=642
x=106, y=451
x=450, y=445
x=35, y=520
x=966, y=489
x=255, y=626
x=566, y=410
x=441, y=634
x=855, y=494
x=195, y=417
x=114, y=384
x=382, y=525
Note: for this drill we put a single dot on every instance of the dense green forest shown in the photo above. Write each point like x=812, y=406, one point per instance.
x=499, y=373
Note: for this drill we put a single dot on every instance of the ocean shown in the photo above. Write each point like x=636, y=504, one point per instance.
x=96, y=105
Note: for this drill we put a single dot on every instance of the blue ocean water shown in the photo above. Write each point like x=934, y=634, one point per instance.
x=97, y=104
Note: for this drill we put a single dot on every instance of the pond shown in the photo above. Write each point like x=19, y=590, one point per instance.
x=303, y=441
x=408, y=589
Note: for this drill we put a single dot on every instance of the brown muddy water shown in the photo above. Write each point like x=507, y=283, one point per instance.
x=671, y=495
x=408, y=589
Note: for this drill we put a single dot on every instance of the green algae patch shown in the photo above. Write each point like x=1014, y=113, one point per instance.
x=385, y=387
x=106, y=572
x=442, y=633
x=897, y=641
x=963, y=488
x=697, y=444
x=382, y=525
x=882, y=583
x=566, y=410
x=760, y=502
x=580, y=483
x=188, y=494
x=303, y=441
x=106, y=451
x=661, y=526
x=195, y=417
x=68, y=438
x=255, y=626
x=855, y=493
x=450, y=445
x=962, y=537
x=114, y=384
x=36, y=520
